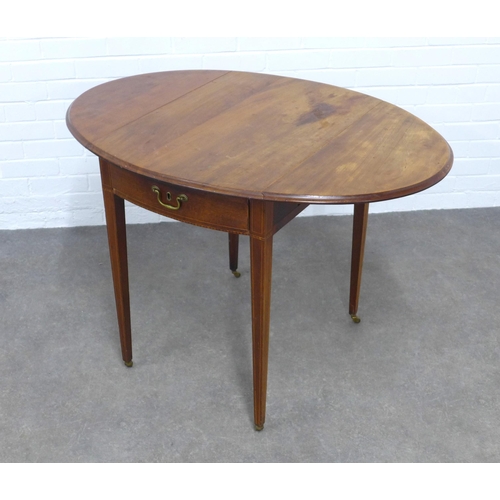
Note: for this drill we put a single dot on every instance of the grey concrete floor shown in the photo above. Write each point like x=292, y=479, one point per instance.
x=418, y=380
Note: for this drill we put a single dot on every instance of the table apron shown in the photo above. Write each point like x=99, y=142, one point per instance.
x=201, y=208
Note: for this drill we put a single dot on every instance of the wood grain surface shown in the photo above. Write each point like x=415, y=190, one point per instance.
x=260, y=137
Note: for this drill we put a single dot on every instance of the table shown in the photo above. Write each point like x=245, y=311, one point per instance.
x=245, y=153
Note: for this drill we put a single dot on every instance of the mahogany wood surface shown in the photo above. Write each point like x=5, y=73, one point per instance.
x=261, y=255
x=360, y=222
x=234, y=242
x=260, y=136
x=245, y=153
x=117, y=237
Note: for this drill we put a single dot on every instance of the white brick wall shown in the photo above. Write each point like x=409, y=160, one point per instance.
x=48, y=180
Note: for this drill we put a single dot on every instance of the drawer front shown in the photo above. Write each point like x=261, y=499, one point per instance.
x=226, y=213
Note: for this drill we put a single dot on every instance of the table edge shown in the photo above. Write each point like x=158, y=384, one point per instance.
x=309, y=199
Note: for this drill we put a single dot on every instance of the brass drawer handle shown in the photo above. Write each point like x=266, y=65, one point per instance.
x=179, y=199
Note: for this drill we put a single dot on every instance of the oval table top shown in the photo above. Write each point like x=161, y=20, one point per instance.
x=260, y=136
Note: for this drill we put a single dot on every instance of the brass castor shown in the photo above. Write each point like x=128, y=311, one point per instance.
x=355, y=318
x=237, y=274
x=129, y=364
x=259, y=427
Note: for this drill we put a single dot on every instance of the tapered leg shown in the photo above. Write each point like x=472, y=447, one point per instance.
x=358, y=249
x=233, y=253
x=115, y=222
x=261, y=253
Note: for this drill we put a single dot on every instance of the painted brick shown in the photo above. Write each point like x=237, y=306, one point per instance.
x=14, y=187
x=203, y=45
x=170, y=63
x=363, y=42
x=488, y=73
x=64, y=202
x=22, y=92
x=360, y=58
x=94, y=183
x=332, y=43
x=393, y=42
x=460, y=148
x=471, y=166
x=89, y=217
x=475, y=55
x=468, y=131
x=80, y=201
x=26, y=131
x=409, y=108
x=367, y=77
x=456, y=40
x=18, y=112
x=269, y=43
x=71, y=89
x=442, y=94
x=19, y=50
x=138, y=46
x=452, y=83
x=249, y=61
x=445, y=186
x=492, y=93
x=338, y=77
x=314, y=210
x=470, y=93
x=287, y=74
x=106, y=67
x=61, y=130
x=422, y=56
x=51, y=110
x=42, y=70
x=398, y=205
x=27, y=220
x=30, y=168
x=55, y=186
x=89, y=154
x=11, y=151
x=478, y=183
x=426, y=201
x=494, y=166
x=484, y=149
x=5, y=72
x=138, y=215
x=52, y=149
x=489, y=111
x=65, y=48
x=388, y=94
x=445, y=113
x=298, y=60
x=446, y=75
x=79, y=165
x=411, y=95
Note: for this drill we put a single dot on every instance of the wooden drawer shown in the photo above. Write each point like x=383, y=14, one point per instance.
x=216, y=211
